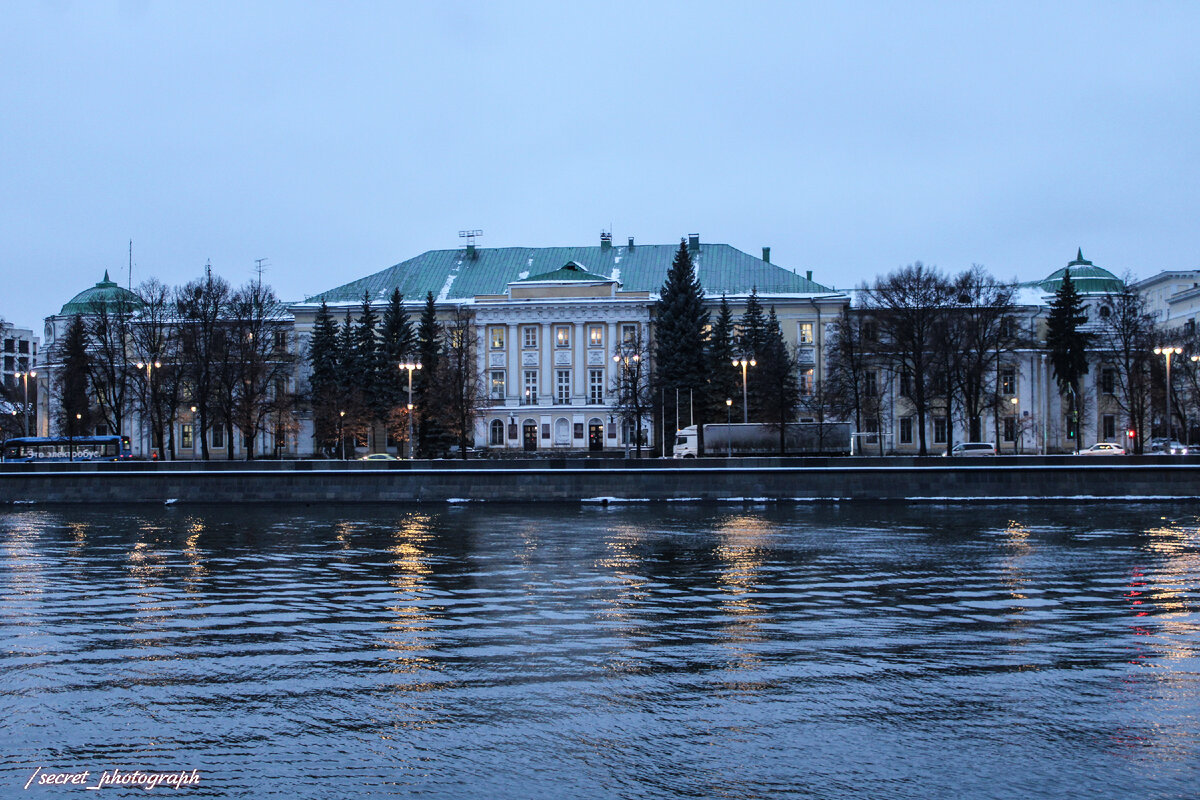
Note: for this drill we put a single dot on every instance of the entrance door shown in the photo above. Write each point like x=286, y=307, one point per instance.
x=531, y=435
x=595, y=436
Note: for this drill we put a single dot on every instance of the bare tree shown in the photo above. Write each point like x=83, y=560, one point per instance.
x=910, y=306
x=1126, y=339
x=109, y=326
x=200, y=306
x=461, y=380
x=631, y=385
x=986, y=332
x=261, y=355
x=155, y=347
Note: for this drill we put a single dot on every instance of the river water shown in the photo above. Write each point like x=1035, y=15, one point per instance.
x=638, y=651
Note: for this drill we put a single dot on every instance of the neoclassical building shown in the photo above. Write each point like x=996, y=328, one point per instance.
x=549, y=322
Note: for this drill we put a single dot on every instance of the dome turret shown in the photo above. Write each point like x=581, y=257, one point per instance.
x=105, y=293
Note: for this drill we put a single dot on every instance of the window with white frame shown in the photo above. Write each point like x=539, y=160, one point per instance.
x=806, y=382
x=870, y=384
x=941, y=430
x=562, y=336
x=595, y=336
x=530, y=396
x=529, y=336
x=629, y=334
x=498, y=384
x=497, y=433
x=906, y=430
x=562, y=387
x=185, y=435
x=1010, y=429
x=497, y=338
x=1110, y=427
x=595, y=386
x=1108, y=381
x=806, y=333
x=1008, y=381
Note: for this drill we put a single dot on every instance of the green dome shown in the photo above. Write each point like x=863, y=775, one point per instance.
x=105, y=293
x=1087, y=277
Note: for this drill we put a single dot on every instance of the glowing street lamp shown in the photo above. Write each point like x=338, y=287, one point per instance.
x=409, y=366
x=1016, y=423
x=342, y=432
x=728, y=421
x=25, y=376
x=1167, y=352
x=743, y=363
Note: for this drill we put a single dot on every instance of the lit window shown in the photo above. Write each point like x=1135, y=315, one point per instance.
x=595, y=336
x=497, y=384
x=628, y=333
x=497, y=338
x=806, y=333
x=806, y=382
x=562, y=336
x=185, y=435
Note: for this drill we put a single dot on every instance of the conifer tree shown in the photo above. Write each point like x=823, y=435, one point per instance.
x=680, y=358
x=1068, y=347
x=351, y=411
x=723, y=381
x=369, y=361
x=433, y=438
x=396, y=343
x=776, y=373
x=74, y=408
x=752, y=345
x=323, y=381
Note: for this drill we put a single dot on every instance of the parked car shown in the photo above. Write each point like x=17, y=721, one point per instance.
x=972, y=449
x=1169, y=447
x=379, y=457
x=1103, y=449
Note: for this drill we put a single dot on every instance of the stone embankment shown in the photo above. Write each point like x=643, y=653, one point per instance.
x=606, y=480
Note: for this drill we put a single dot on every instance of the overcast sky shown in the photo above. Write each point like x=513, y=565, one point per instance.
x=335, y=139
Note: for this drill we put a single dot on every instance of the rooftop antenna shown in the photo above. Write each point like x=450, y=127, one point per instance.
x=259, y=265
x=208, y=270
x=130, y=265
x=470, y=237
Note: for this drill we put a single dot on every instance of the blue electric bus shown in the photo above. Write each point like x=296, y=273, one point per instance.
x=67, y=448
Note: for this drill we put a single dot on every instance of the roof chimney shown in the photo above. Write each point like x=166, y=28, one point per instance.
x=693, y=243
x=808, y=275
x=470, y=250
x=605, y=240
x=767, y=254
x=630, y=242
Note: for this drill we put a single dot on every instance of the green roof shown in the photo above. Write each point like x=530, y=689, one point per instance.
x=461, y=275
x=104, y=293
x=1087, y=277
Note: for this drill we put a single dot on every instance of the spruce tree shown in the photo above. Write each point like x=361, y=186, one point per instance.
x=370, y=365
x=396, y=343
x=751, y=345
x=724, y=380
x=323, y=381
x=74, y=411
x=680, y=359
x=776, y=373
x=433, y=438
x=351, y=411
x=1068, y=347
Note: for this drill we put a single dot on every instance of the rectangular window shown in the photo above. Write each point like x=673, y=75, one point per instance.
x=870, y=385
x=870, y=331
x=1008, y=381
x=595, y=336
x=595, y=386
x=906, y=428
x=9, y=345
x=806, y=333
x=498, y=387
x=1010, y=429
x=530, y=396
x=23, y=346
x=562, y=336
x=906, y=384
x=497, y=338
x=562, y=387
x=940, y=430
x=629, y=334
x=806, y=382
x=871, y=425
x=1108, y=381
x=529, y=336
x=217, y=437
x=185, y=435
x=1110, y=427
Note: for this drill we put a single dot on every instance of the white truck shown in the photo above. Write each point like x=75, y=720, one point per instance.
x=756, y=439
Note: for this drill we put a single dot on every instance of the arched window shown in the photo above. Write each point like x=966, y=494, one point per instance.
x=1105, y=311
x=497, y=438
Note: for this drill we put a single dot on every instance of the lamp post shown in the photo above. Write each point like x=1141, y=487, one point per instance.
x=342, y=432
x=743, y=363
x=71, y=438
x=1167, y=352
x=409, y=366
x=728, y=422
x=1016, y=423
x=633, y=393
x=25, y=376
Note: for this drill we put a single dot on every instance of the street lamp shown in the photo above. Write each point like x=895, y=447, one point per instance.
x=342, y=432
x=1016, y=423
x=25, y=376
x=728, y=422
x=632, y=391
x=409, y=366
x=743, y=363
x=71, y=438
x=149, y=366
x=1167, y=352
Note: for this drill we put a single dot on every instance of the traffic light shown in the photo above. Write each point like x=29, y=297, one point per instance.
x=1070, y=433
x=1131, y=433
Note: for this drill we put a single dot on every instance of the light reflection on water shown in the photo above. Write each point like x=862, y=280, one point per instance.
x=936, y=651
